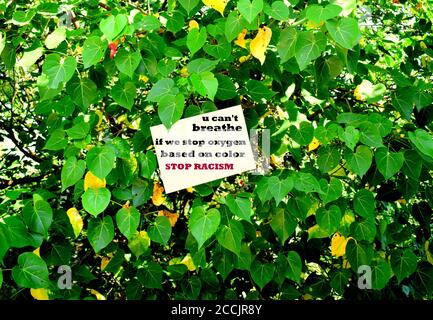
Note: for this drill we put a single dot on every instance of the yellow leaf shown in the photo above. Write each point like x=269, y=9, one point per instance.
x=307, y=296
x=98, y=295
x=193, y=25
x=346, y=264
x=244, y=59
x=218, y=5
x=313, y=144
x=338, y=245
x=92, y=181
x=240, y=41
x=172, y=217
x=37, y=252
x=75, y=220
x=158, y=197
x=184, y=72
x=104, y=262
x=260, y=43
x=338, y=171
x=427, y=252
x=100, y=116
x=40, y=294
x=143, y=78
x=190, y=189
x=188, y=262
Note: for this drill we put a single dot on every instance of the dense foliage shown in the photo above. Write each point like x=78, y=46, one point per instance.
x=345, y=89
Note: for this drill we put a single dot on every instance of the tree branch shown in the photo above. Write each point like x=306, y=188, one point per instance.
x=11, y=136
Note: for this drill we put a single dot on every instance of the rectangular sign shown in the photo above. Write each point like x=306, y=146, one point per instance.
x=203, y=148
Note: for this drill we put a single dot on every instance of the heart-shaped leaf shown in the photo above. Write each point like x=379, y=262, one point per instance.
x=203, y=224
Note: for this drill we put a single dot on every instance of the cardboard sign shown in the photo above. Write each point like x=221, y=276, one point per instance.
x=203, y=148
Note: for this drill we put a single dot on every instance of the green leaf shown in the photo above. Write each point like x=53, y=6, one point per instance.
x=283, y=224
x=127, y=61
x=58, y=70
x=56, y=141
x=294, y=269
x=402, y=102
x=403, y=263
x=189, y=5
x=224, y=262
x=302, y=135
x=160, y=230
x=196, y=39
x=55, y=38
x=328, y=220
x=331, y=191
x=203, y=224
x=412, y=164
x=112, y=26
x=327, y=158
x=4, y=241
x=250, y=10
x=350, y=136
x=318, y=14
x=279, y=11
x=339, y=280
x=93, y=51
x=306, y=182
x=170, y=109
x=78, y=131
x=101, y=160
x=226, y=88
x=240, y=207
x=100, y=232
x=286, y=46
x=148, y=164
x=243, y=261
x=2, y=46
x=84, y=92
x=358, y=254
x=201, y=65
x=308, y=47
x=380, y=274
x=388, y=163
x=38, y=215
x=95, y=201
x=423, y=141
x=234, y=25
x=364, y=230
x=360, y=161
x=230, y=236
x=72, y=172
x=299, y=206
x=17, y=232
x=345, y=31
x=263, y=189
x=124, y=94
x=31, y=271
x=258, y=91
x=128, y=220
x=139, y=244
x=150, y=276
x=29, y=58
x=280, y=188
x=162, y=88
x=364, y=204
x=205, y=84
x=262, y=273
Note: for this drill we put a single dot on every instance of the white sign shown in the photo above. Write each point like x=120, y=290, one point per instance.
x=203, y=148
